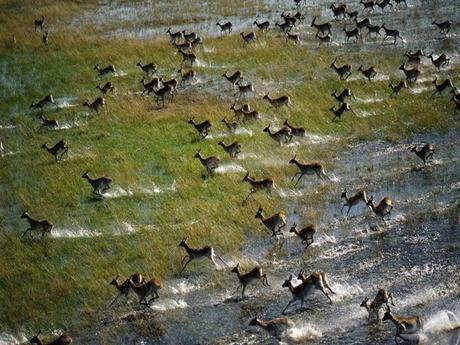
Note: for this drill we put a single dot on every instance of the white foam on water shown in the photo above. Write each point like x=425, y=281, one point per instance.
x=183, y=286
x=369, y=100
x=419, y=89
x=229, y=168
x=117, y=192
x=155, y=189
x=68, y=125
x=318, y=139
x=120, y=73
x=243, y=131
x=323, y=239
x=8, y=339
x=333, y=178
x=125, y=229
x=247, y=155
x=289, y=193
x=74, y=233
x=382, y=77
x=364, y=113
x=441, y=321
x=304, y=332
x=168, y=304
x=425, y=296
x=345, y=290
x=340, y=251
x=64, y=102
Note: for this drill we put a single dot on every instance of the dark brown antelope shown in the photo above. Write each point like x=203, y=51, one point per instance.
x=58, y=150
x=352, y=15
x=189, y=37
x=457, y=104
x=352, y=33
x=295, y=131
x=264, y=26
x=238, y=112
x=404, y=325
x=293, y=38
x=198, y=253
x=362, y=24
x=369, y=73
x=233, y=149
x=63, y=339
x=292, y=20
x=150, y=86
x=48, y=99
x=231, y=126
x=353, y=200
x=443, y=27
x=39, y=23
x=275, y=327
x=308, y=169
x=196, y=42
x=147, y=289
x=248, y=38
x=106, y=70
x=411, y=74
x=44, y=226
x=274, y=223
x=373, y=29
x=391, y=33
x=210, y=164
x=149, y=68
x=100, y=185
x=234, y=78
x=249, y=115
x=383, y=208
x=226, y=27
x=45, y=38
x=395, y=89
x=368, y=5
x=339, y=10
x=202, y=127
x=285, y=27
x=343, y=71
x=279, y=101
x=441, y=61
x=162, y=93
x=305, y=234
x=425, y=152
x=244, y=89
x=341, y=110
x=108, y=87
x=257, y=185
x=414, y=59
x=186, y=77
x=383, y=4
x=172, y=83
x=174, y=36
x=326, y=39
x=282, y=135
x=123, y=289
x=184, y=46
x=188, y=57
x=323, y=28
x=96, y=105
x=373, y=308
x=440, y=88
x=48, y=123
x=341, y=98
x=255, y=274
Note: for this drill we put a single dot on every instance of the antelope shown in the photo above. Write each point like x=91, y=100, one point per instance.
x=48, y=99
x=352, y=15
x=187, y=45
x=327, y=39
x=440, y=61
x=45, y=38
x=246, y=278
x=352, y=33
x=188, y=76
x=383, y=4
x=196, y=42
x=391, y=33
x=339, y=10
x=373, y=29
x=39, y=23
x=256, y=185
x=413, y=58
x=341, y=110
x=285, y=27
x=231, y=126
x=188, y=57
x=353, y=200
x=444, y=27
x=284, y=134
x=411, y=74
x=174, y=36
x=368, y=5
x=210, y=163
x=250, y=37
x=323, y=28
x=106, y=70
x=318, y=277
x=172, y=83
x=100, y=185
x=226, y=27
x=123, y=289
x=373, y=308
x=151, y=85
x=108, y=87
x=442, y=86
x=234, y=78
x=202, y=127
x=244, y=89
x=404, y=325
x=295, y=131
x=279, y=101
x=369, y=73
x=362, y=24
x=289, y=19
x=457, y=104
x=274, y=223
x=50, y=123
x=397, y=88
x=249, y=115
x=162, y=93
x=262, y=26
x=149, y=68
x=58, y=150
x=293, y=37
x=275, y=327
x=36, y=225
x=96, y=105
x=343, y=95
x=383, y=208
x=189, y=37
x=343, y=71
x=305, y=234
x=63, y=339
x=233, y=149
x=424, y=153
x=238, y=112
x=308, y=169
x=198, y=253
x=146, y=289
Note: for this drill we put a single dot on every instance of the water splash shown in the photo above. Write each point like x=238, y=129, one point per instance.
x=443, y=320
x=117, y=192
x=73, y=233
x=230, y=168
x=168, y=304
x=302, y=333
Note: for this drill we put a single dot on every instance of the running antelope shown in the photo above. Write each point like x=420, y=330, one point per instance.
x=444, y=27
x=226, y=27
x=323, y=28
x=320, y=278
x=368, y=5
x=424, y=153
x=391, y=33
x=106, y=70
x=353, y=200
x=305, y=234
x=144, y=290
x=326, y=39
x=202, y=127
x=96, y=105
x=63, y=339
x=282, y=135
x=411, y=74
x=264, y=26
x=440, y=88
x=189, y=37
x=244, y=89
x=196, y=42
x=198, y=253
x=186, y=77
x=123, y=289
x=231, y=126
x=100, y=185
x=285, y=27
x=308, y=169
x=39, y=23
x=343, y=71
x=341, y=110
x=150, y=86
x=161, y=94
x=369, y=73
x=249, y=115
x=211, y=163
x=45, y=38
x=246, y=278
x=174, y=36
x=188, y=57
x=295, y=131
x=383, y=208
x=274, y=223
x=405, y=326
x=414, y=59
x=108, y=87
x=352, y=15
x=149, y=68
x=384, y=3
x=293, y=37
x=48, y=123
x=256, y=185
x=275, y=327
x=373, y=29
x=279, y=101
x=352, y=33
x=291, y=20
x=233, y=149
x=36, y=225
x=373, y=308
x=185, y=46
x=441, y=61
x=395, y=89
x=239, y=112
x=339, y=10
x=362, y=24
x=341, y=98
x=48, y=99
x=58, y=150
x=234, y=78
x=172, y=83
x=248, y=38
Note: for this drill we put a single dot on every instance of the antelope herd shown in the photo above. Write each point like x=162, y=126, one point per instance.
x=185, y=43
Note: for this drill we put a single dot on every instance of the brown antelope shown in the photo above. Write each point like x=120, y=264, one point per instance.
x=362, y=24
x=36, y=225
x=100, y=185
x=96, y=105
x=285, y=27
x=144, y=290
x=149, y=68
x=339, y=10
x=446, y=84
x=174, y=36
x=368, y=5
x=172, y=83
x=187, y=77
x=395, y=89
x=326, y=39
x=352, y=15
x=48, y=123
x=275, y=327
x=202, y=127
x=282, y=135
x=343, y=71
x=352, y=33
x=108, y=87
x=106, y=70
x=45, y=38
x=246, y=278
x=189, y=37
x=264, y=26
x=391, y=33
x=244, y=89
x=211, y=163
x=188, y=57
x=341, y=110
x=404, y=325
x=39, y=23
x=161, y=94
x=63, y=339
x=441, y=61
x=123, y=289
x=248, y=38
x=249, y=115
x=58, y=150
x=185, y=46
x=196, y=42
x=289, y=19
x=293, y=37
x=414, y=59
x=233, y=149
x=323, y=28
x=411, y=74
x=279, y=101
x=274, y=223
x=48, y=99
x=383, y=208
x=369, y=73
x=373, y=308
x=373, y=29
x=308, y=169
x=198, y=253
x=424, y=153
x=226, y=27
x=234, y=78
x=256, y=185
x=151, y=85
x=305, y=234
x=384, y=3
x=444, y=27
x=238, y=112
x=341, y=98
x=231, y=126
x=353, y=200
x=457, y=104
x=295, y=131
x=318, y=277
